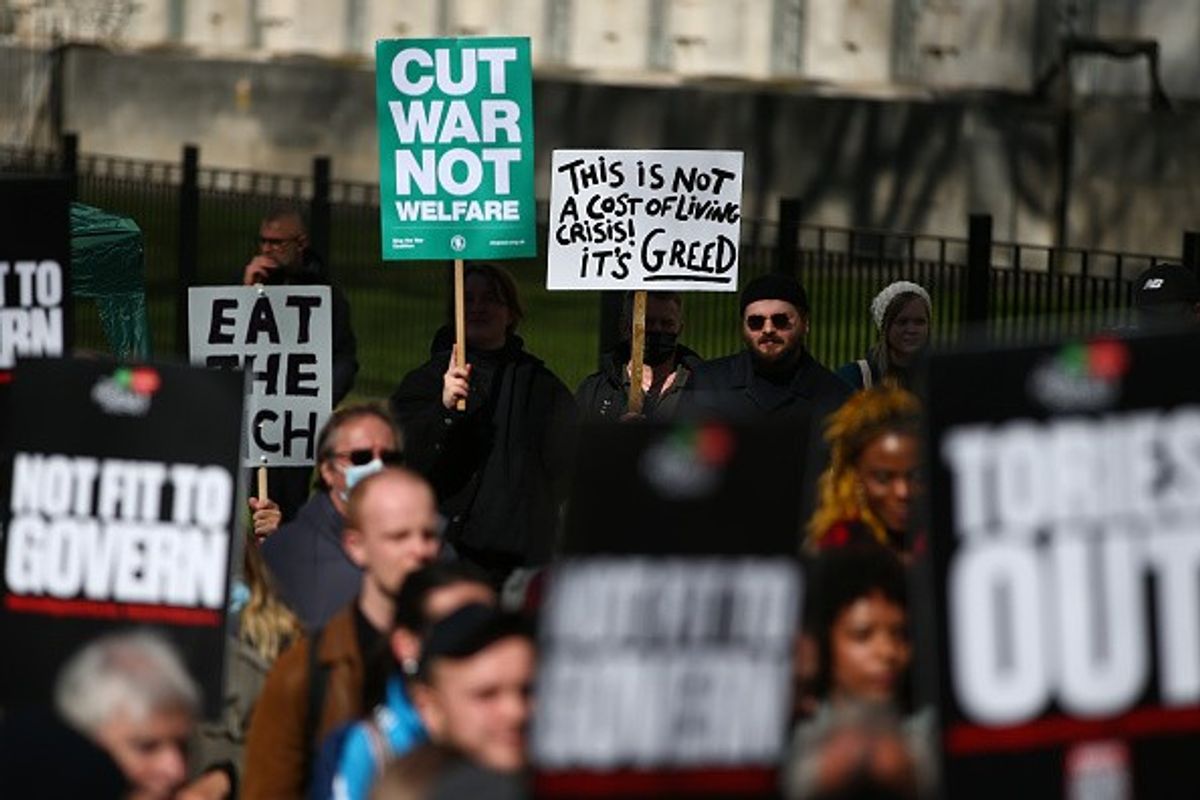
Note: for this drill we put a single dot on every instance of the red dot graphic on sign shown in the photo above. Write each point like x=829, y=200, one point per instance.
x=144, y=381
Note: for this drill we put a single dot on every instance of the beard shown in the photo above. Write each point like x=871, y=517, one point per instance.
x=781, y=361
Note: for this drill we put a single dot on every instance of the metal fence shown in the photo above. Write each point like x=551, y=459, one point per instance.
x=200, y=226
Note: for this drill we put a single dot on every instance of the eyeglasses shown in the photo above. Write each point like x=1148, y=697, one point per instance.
x=781, y=322
x=366, y=455
x=271, y=241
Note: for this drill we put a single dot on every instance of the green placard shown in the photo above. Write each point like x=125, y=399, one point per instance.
x=455, y=148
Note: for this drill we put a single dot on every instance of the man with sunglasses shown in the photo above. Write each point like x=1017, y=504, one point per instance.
x=315, y=575
x=284, y=258
x=775, y=377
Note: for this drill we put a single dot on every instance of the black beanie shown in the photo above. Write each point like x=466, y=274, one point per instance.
x=775, y=286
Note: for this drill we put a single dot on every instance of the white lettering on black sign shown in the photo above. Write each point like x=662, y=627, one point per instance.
x=31, y=315
x=118, y=530
x=645, y=219
x=668, y=663
x=1058, y=524
x=281, y=336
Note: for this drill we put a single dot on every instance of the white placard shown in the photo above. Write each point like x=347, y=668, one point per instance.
x=645, y=219
x=282, y=337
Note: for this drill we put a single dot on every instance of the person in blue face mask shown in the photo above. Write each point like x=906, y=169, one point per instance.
x=314, y=574
x=604, y=395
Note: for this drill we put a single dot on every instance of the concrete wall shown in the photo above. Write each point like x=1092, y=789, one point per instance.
x=920, y=166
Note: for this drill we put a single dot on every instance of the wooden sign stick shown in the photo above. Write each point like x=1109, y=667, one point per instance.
x=637, y=344
x=460, y=321
x=262, y=483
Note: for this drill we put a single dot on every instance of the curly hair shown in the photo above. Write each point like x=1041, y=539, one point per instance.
x=865, y=417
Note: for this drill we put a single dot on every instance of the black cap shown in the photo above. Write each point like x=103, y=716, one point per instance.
x=1167, y=288
x=467, y=631
x=775, y=286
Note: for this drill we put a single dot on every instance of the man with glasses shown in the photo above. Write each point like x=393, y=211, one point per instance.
x=318, y=684
x=315, y=575
x=284, y=258
x=775, y=377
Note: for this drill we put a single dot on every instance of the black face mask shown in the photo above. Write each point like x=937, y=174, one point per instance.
x=660, y=347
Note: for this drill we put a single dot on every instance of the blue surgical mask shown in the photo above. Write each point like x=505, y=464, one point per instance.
x=358, y=472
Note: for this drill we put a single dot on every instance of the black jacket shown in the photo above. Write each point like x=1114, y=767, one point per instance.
x=727, y=387
x=345, y=347
x=604, y=395
x=500, y=468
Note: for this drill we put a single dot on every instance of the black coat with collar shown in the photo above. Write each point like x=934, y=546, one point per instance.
x=727, y=387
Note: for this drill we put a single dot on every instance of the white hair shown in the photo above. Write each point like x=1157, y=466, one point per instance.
x=136, y=673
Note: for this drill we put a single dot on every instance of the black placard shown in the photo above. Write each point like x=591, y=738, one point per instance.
x=1065, y=560
x=35, y=274
x=120, y=504
x=666, y=637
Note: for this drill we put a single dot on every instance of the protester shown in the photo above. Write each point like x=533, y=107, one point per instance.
x=130, y=693
x=499, y=467
x=318, y=683
x=264, y=627
x=1167, y=295
x=393, y=728
x=861, y=753
x=285, y=258
x=668, y=366
x=775, y=376
x=870, y=488
x=857, y=613
x=315, y=575
x=434, y=772
x=902, y=313
x=473, y=686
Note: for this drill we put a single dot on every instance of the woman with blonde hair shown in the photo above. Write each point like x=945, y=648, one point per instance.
x=265, y=626
x=869, y=490
x=902, y=313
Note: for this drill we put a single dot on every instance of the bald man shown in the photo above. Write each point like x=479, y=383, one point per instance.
x=392, y=530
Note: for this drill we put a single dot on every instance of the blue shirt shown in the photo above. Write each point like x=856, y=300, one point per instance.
x=393, y=729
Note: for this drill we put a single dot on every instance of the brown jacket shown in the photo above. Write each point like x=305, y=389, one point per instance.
x=277, y=756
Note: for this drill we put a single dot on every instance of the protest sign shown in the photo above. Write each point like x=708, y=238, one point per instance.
x=456, y=164
x=645, y=219
x=120, y=509
x=1065, y=556
x=35, y=285
x=666, y=636
x=282, y=337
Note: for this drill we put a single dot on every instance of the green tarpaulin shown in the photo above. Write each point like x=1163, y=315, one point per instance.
x=107, y=266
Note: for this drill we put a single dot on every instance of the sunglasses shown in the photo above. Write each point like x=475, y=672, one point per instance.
x=366, y=455
x=781, y=322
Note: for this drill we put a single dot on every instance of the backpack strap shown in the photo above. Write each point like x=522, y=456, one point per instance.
x=865, y=368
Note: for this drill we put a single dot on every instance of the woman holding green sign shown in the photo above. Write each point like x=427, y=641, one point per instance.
x=499, y=466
